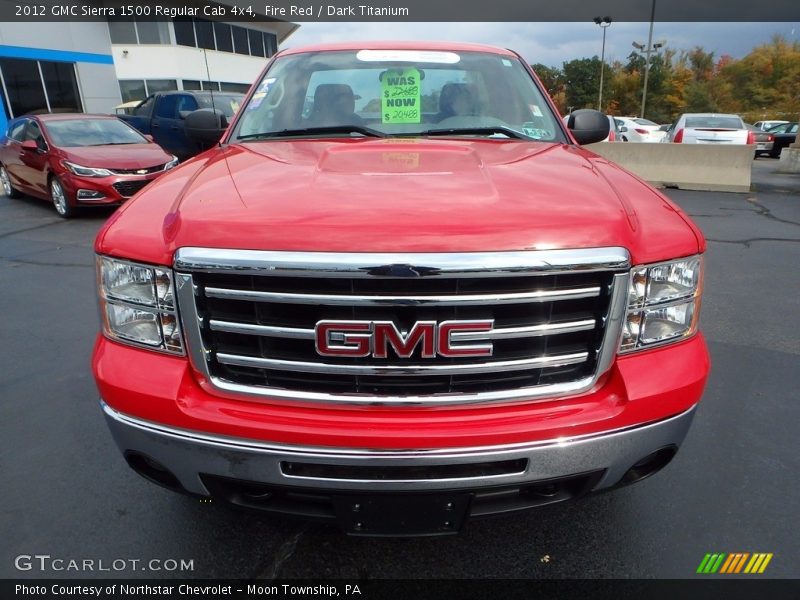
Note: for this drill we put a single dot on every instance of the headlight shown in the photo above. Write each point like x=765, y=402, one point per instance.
x=137, y=304
x=86, y=171
x=663, y=303
x=172, y=163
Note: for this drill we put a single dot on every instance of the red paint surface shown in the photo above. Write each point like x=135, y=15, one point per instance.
x=164, y=389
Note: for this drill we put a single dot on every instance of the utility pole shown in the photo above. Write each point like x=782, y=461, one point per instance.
x=604, y=23
x=650, y=48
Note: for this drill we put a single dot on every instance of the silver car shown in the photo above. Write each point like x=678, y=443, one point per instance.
x=709, y=128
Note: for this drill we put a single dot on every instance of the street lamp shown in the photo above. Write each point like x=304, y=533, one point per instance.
x=650, y=48
x=604, y=23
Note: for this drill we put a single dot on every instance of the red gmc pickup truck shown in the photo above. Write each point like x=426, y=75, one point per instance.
x=397, y=295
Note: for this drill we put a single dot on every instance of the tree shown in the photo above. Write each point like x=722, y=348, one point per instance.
x=582, y=79
x=552, y=78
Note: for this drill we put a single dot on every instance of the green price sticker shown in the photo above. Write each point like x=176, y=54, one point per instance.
x=401, y=96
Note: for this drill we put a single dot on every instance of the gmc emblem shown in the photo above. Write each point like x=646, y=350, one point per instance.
x=373, y=338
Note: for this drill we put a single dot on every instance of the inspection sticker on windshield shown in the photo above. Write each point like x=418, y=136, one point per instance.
x=401, y=96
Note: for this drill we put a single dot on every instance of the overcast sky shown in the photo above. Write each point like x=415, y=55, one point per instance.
x=554, y=43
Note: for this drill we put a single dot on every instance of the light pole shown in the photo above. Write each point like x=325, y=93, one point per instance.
x=650, y=48
x=605, y=23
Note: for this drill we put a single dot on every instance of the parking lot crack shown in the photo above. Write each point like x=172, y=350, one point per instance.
x=34, y=228
x=21, y=261
x=284, y=553
x=747, y=243
x=763, y=211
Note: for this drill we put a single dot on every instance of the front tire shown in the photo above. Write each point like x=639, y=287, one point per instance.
x=60, y=201
x=5, y=181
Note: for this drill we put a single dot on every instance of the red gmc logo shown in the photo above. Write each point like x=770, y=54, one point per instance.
x=373, y=338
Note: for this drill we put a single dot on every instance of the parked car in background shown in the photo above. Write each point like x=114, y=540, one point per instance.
x=77, y=159
x=767, y=125
x=162, y=116
x=709, y=128
x=763, y=140
x=641, y=130
x=783, y=135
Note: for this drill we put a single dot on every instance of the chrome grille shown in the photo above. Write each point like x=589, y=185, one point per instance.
x=139, y=171
x=249, y=319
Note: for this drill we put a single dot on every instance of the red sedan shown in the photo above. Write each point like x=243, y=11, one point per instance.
x=77, y=159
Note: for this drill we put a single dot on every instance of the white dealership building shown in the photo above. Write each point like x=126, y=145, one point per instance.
x=93, y=66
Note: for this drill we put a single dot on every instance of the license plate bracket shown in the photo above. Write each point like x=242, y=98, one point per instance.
x=402, y=514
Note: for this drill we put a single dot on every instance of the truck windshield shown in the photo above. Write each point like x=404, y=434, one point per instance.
x=227, y=103
x=397, y=93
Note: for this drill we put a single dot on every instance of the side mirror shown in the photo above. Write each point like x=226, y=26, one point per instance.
x=623, y=129
x=30, y=146
x=205, y=126
x=588, y=126
x=149, y=137
x=182, y=114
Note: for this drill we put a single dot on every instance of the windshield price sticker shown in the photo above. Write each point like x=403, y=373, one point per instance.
x=401, y=96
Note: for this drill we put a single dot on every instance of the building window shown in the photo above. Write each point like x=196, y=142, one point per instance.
x=138, y=32
x=61, y=86
x=240, y=88
x=160, y=85
x=270, y=43
x=24, y=86
x=184, y=32
x=200, y=33
x=138, y=89
x=132, y=89
x=152, y=32
x=211, y=85
x=191, y=84
x=39, y=86
x=222, y=33
x=122, y=32
x=204, y=32
x=256, y=42
x=240, y=45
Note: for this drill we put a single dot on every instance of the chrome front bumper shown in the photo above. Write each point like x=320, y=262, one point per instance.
x=188, y=454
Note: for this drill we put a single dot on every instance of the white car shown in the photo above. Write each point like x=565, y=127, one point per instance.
x=640, y=130
x=709, y=128
x=764, y=125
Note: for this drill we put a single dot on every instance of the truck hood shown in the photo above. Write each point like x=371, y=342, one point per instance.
x=366, y=195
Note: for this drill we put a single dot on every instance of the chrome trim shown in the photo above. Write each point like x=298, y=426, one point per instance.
x=529, y=331
x=325, y=452
x=500, y=366
x=187, y=453
x=198, y=353
x=371, y=300
x=296, y=333
x=463, y=264
x=293, y=333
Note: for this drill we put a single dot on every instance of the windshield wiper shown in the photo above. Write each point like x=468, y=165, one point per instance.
x=491, y=130
x=311, y=131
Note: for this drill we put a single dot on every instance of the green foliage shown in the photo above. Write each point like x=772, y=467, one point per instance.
x=582, y=81
x=764, y=84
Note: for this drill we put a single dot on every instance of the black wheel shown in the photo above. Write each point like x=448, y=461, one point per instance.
x=59, y=197
x=5, y=181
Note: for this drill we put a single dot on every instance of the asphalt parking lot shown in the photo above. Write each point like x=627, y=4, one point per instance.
x=732, y=488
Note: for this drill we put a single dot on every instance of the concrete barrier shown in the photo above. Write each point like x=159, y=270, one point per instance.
x=790, y=161
x=685, y=166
